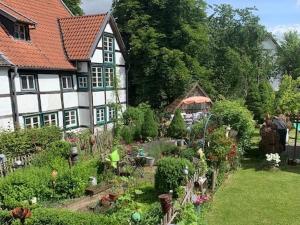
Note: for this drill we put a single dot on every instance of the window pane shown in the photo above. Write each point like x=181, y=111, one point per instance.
x=69, y=79
x=31, y=82
x=64, y=82
x=24, y=82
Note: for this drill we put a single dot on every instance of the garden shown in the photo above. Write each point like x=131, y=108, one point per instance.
x=141, y=172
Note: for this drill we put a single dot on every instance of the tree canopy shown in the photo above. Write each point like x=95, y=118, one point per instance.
x=173, y=43
x=289, y=54
x=74, y=6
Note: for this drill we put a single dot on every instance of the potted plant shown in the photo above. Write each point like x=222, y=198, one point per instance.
x=198, y=200
x=273, y=161
x=21, y=213
x=113, y=195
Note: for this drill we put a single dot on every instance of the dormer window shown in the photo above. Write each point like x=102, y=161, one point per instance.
x=21, y=32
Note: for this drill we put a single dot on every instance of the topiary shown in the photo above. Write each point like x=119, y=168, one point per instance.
x=169, y=173
x=177, y=128
x=150, y=126
x=134, y=117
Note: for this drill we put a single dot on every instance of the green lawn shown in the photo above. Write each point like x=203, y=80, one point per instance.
x=256, y=197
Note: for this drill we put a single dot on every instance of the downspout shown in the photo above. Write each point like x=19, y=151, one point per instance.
x=14, y=98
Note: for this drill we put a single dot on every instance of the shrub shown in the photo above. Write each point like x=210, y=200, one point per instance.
x=197, y=130
x=26, y=141
x=134, y=118
x=150, y=125
x=177, y=128
x=188, y=153
x=219, y=146
x=169, y=173
x=233, y=113
x=127, y=134
x=160, y=148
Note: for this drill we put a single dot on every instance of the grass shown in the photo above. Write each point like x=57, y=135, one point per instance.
x=257, y=197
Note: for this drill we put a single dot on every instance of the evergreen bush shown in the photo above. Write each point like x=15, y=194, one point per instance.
x=177, y=128
x=127, y=134
x=169, y=173
x=150, y=125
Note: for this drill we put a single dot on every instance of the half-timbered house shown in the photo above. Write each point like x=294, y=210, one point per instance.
x=58, y=69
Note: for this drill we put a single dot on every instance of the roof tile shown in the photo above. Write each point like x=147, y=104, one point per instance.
x=79, y=34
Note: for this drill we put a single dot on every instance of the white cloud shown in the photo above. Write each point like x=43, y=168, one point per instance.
x=279, y=30
x=298, y=3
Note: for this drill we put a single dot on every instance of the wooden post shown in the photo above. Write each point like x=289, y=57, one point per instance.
x=297, y=121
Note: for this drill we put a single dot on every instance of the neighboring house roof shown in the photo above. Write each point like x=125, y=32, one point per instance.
x=14, y=15
x=195, y=90
x=80, y=33
x=45, y=50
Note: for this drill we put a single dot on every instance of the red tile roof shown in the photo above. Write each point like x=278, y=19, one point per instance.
x=80, y=33
x=45, y=50
x=16, y=15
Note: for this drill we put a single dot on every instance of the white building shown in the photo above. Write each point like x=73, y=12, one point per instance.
x=58, y=69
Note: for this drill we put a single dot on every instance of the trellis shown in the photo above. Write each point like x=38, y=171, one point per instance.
x=9, y=165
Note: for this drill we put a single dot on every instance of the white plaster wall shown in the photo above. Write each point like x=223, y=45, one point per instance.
x=17, y=83
x=98, y=98
x=119, y=58
x=269, y=45
x=117, y=47
x=122, y=95
x=48, y=82
x=83, y=98
x=4, y=83
x=70, y=99
x=97, y=57
x=110, y=97
x=121, y=76
x=27, y=103
x=82, y=67
x=60, y=119
x=6, y=124
x=83, y=117
x=5, y=106
x=100, y=43
x=75, y=86
x=108, y=29
x=50, y=102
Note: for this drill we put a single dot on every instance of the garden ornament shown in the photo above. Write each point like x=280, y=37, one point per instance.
x=2, y=158
x=136, y=217
x=186, y=171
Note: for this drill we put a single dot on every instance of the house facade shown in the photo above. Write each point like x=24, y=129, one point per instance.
x=59, y=69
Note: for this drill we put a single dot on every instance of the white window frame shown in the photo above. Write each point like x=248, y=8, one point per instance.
x=69, y=121
x=108, y=43
x=29, y=123
x=82, y=82
x=97, y=77
x=68, y=86
x=109, y=77
x=100, y=115
x=50, y=121
x=111, y=113
x=27, y=82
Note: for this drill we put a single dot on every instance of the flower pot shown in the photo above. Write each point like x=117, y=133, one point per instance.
x=113, y=197
x=150, y=161
x=165, y=202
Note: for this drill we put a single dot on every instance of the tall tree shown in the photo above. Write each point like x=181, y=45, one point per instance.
x=289, y=54
x=238, y=58
x=168, y=41
x=74, y=6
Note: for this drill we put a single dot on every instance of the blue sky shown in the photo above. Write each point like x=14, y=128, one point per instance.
x=278, y=16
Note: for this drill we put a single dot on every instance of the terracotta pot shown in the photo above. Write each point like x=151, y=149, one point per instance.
x=113, y=197
x=165, y=202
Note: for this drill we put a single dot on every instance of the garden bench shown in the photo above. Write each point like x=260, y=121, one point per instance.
x=93, y=190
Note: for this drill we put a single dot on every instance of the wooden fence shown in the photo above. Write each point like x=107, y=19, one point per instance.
x=189, y=191
x=11, y=164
